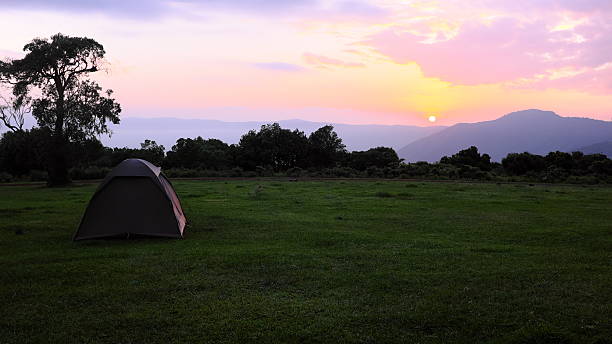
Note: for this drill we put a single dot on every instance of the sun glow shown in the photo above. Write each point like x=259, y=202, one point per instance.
x=432, y=118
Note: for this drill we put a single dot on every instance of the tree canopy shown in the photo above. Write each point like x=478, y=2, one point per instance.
x=273, y=146
x=326, y=148
x=469, y=157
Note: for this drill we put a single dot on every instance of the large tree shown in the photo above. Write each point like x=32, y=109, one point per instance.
x=54, y=74
x=275, y=147
x=211, y=154
x=469, y=157
x=380, y=157
x=326, y=148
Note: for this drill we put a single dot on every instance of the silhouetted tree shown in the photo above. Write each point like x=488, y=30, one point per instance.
x=521, y=163
x=325, y=147
x=601, y=166
x=469, y=157
x=210, y=154
x=561, y=160
x=71, y=107
x=273, y=146
x=152, y=152
x=380, y=157
x=86, y=152
x=23, y=151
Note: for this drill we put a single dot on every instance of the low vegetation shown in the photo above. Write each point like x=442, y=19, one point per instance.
x=341, y=261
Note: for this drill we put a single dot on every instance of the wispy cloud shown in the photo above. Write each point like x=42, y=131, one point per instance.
x=324, y=61
x=143, y=9
x=279, y=66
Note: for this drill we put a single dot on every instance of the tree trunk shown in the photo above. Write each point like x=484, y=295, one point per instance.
x=58, y=162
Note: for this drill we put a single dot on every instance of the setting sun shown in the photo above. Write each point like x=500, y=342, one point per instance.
x=432, y=118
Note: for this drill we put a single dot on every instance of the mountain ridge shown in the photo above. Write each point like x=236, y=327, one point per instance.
x=535, y=131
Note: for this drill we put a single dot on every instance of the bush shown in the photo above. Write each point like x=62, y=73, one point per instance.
x=5, y=177
x=554, y=174
x=295, y=172
x=38, y=176
x=91, y=172
x=583, y=180
x=182, y=173
x=263, y=171
x=375, y=172
x=340, y=172
x=236, y=172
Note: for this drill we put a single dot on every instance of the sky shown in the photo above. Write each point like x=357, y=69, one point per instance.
x=353, y=61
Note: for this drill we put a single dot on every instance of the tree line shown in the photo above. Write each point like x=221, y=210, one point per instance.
x=276, y=151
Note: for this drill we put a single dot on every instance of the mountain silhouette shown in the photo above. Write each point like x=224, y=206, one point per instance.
x=533, y=131
x=598, y=148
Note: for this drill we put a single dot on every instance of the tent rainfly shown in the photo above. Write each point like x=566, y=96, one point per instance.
x=135, y=198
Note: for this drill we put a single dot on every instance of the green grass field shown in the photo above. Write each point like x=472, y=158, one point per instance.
x=336, y=261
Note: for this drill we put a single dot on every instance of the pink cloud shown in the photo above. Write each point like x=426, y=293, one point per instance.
x=595, y=80
x=580, y=6
x=324, y=61
x=478, y=54
x=502, y=51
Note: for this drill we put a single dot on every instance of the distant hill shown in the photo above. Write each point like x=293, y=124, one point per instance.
x=132, y=131
x=597, y=148
x=534, y=131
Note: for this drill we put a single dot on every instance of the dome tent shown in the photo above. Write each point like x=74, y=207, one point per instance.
x=135, y=198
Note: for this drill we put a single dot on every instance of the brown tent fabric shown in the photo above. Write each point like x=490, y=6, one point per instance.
x=134, y=198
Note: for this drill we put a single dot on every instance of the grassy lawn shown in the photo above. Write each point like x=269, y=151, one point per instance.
x=337, y=261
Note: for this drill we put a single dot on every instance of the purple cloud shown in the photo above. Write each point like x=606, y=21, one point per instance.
x=137, y=8
x=581, y=6
x=351, y=11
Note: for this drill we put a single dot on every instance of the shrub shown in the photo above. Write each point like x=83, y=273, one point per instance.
x=339, y=172
x=554, y=174
x=295, y=172
x=583, y=180
x=5, y=177
x=236, y=172
x=263, y=171
x=38, y=176
x=374, y=172
x=91, y=172
x=182, y=173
